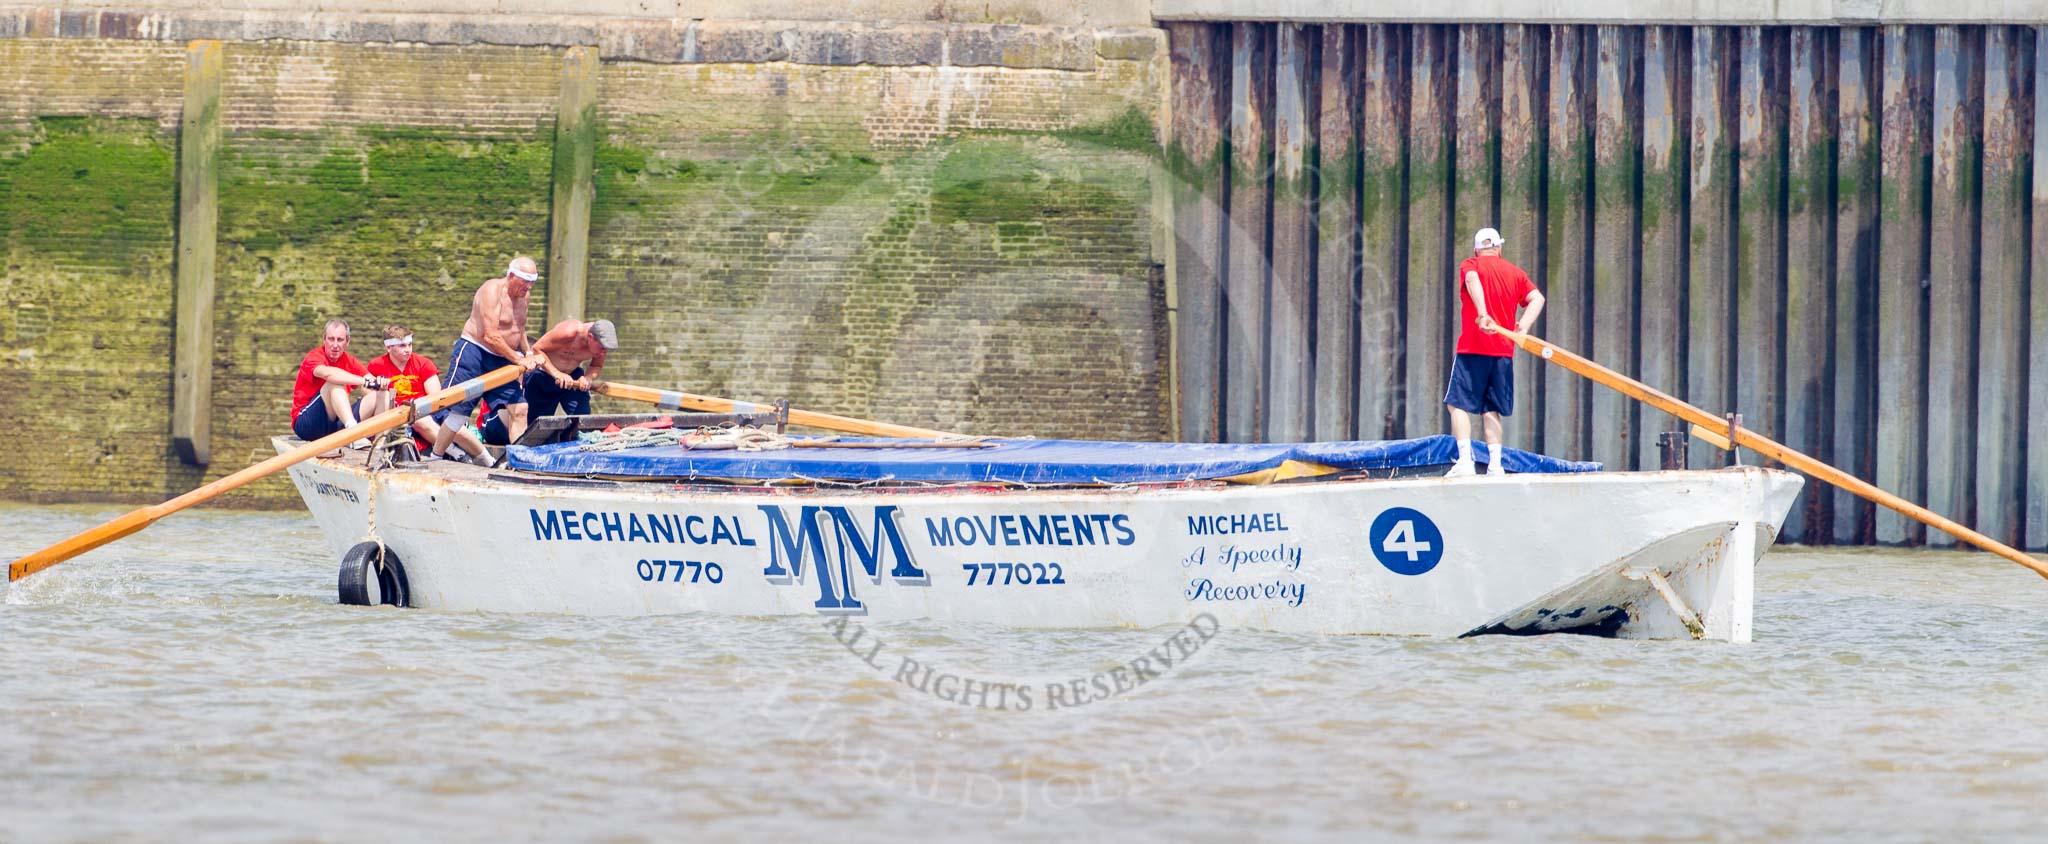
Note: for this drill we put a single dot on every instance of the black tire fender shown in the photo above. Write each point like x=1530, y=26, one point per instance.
x=370, y=562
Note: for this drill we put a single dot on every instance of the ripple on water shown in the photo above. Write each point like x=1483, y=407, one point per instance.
x=204, y=692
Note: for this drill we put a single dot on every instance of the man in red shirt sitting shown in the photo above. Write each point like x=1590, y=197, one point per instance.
x=411, y=376
x=320, y=396
x=1491, y=290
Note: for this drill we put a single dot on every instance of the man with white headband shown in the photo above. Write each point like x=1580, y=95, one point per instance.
x=494, y=337
x=409, y=377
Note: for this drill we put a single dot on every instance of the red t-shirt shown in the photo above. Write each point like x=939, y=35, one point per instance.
x=1505, y=286
x=309, y=384
x=409, y=383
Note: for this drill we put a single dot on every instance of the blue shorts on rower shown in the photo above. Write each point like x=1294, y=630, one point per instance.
x=543, y=396
x=494, y=432
x=469, y=360
x=313, y=422
x=1482, y=384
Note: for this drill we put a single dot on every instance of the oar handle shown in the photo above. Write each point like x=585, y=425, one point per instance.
x=677, y=400
x=1705, y=422
x=138, y=519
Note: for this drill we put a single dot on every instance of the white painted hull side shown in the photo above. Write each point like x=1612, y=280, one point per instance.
x=1516, y=554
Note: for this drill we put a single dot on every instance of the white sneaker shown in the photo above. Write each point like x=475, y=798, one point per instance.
x=1460, y=469
x=1495, y=470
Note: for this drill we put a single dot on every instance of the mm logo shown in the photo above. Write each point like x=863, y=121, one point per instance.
x=804, y=539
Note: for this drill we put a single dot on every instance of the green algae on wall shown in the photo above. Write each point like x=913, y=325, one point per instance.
x=90, y=214
x=92, y=188
x=385, y=216
x=996, y=181
x=370, y=226
x=874, y=280
x=1130, y=131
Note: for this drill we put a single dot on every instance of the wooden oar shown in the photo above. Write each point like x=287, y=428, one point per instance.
x=147, y=516
x=1714, y=429
x=674, y=400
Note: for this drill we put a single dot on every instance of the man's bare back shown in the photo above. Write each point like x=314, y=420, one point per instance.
x=569, y=344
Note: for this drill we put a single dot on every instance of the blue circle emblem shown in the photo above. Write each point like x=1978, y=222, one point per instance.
x=1406, y=541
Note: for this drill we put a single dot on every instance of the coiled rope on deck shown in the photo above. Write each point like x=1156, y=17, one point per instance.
x=708, y=439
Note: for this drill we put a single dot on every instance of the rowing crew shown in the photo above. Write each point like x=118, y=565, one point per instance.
x=493, y=337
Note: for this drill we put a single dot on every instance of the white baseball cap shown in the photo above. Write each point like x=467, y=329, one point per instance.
x=1485, y=238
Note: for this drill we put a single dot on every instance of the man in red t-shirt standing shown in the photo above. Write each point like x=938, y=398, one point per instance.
x=327, y=375
x=412, y=376
x=1491, y=291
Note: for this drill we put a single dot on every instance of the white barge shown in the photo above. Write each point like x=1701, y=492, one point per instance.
x=1035, y=533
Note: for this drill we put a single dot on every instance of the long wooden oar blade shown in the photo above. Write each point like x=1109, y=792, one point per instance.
x=674, y=400
x=139, y=519
x=1712, y=428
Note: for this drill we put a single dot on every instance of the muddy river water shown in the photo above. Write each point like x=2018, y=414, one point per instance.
x=198, y=680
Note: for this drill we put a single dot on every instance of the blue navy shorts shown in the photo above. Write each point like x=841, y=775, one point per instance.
x=1482, y=384
x=543, y=397
x=469, y=360
x=494, y=431
x=313, y=422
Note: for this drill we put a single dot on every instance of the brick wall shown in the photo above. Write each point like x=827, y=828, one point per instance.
x=88, y=220
x=961, y=247
x=374, y=184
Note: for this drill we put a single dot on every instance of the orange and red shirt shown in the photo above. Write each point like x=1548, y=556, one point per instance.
x=408, y=383
x=1505, y=286
x=308, y=385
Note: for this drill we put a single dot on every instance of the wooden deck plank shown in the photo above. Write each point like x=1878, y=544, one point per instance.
x=1667, y=101
x=1760, y=251
x=1337, y=378
x=1429, y=284
x=1290, y=376
x=2036, y=383
x=1244, y=294
x=1809, y=265
x=1952, y=279
x=1568, y=236
x=1902, y=297
x=1382, y=228
x=1474, y=204
x=1617, y=236
x=1196, y=168
x=1855, y=290
x=194, y=287
x=1710, y=279
x=2002, y=294
x=1523, y=59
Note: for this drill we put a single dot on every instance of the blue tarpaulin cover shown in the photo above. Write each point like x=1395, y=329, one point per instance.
x=1014, y=461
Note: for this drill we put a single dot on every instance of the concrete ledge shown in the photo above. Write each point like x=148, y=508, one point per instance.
x=805, y=42
x=1820, y=12
x=629, y=39
x=1085, y=14
x=1134, y=44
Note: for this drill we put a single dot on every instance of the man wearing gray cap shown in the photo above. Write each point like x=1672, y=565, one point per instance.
x=561, y=379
